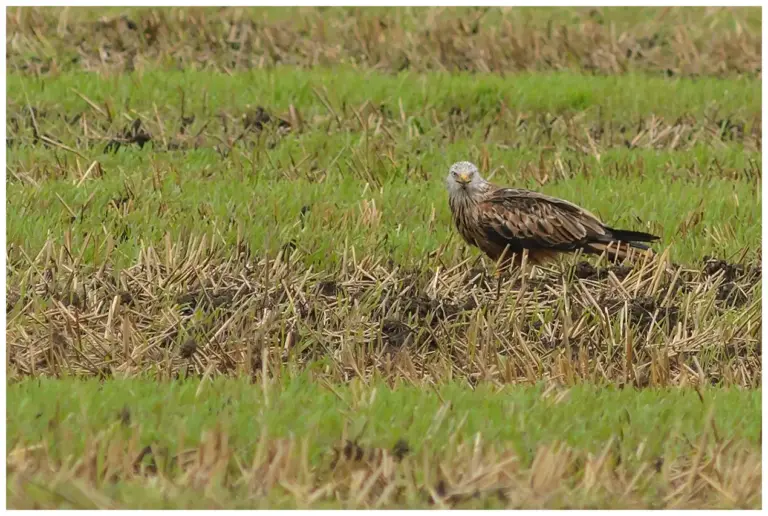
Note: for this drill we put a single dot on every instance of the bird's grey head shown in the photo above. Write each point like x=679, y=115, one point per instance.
x=464, y=179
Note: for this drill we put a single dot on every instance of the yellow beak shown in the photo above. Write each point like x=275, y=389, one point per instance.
x=463, y=178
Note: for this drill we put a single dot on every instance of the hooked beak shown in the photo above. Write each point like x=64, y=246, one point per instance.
x=463, y=179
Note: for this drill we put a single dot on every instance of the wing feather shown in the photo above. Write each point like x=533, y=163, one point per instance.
x=531, y=220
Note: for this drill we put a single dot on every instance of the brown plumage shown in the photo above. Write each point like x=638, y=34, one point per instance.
x=503, y=222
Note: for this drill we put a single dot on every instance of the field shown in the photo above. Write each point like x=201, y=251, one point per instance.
x=233, y=280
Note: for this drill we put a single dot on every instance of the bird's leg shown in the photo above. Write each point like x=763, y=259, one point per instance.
x=503, y=271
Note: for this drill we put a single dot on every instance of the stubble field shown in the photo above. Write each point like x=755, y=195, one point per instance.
x=233, y=281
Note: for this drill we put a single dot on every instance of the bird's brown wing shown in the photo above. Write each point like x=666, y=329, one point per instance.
x=522, y=219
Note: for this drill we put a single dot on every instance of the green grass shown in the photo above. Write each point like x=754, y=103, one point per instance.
x=516, y=416
x=65, y=414
x=259, y=189
x=265, y=211
x=617, y=97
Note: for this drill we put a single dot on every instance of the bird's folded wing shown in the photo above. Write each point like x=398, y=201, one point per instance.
x=536, y=220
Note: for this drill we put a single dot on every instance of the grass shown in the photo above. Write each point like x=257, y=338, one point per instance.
x=413, y=216
x=618, y=97
x=327, y=163
x=412, y=18
x=233, y=281
x=471, y=430
x=674, y=41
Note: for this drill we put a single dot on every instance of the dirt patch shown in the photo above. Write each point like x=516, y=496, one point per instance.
x=732, y=294
x=585, y=270
x=188, y=348
x=644, y=311
x=395, y=334
x=132, y=134
x=730, y=271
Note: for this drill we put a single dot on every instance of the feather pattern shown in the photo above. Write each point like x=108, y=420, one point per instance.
x=507, y=221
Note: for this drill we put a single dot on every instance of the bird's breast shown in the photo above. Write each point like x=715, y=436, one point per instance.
x=464, y=217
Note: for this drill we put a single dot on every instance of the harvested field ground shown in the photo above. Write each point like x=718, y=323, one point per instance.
x=233, y=281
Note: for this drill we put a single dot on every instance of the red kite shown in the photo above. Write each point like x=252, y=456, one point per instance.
x=503, y=222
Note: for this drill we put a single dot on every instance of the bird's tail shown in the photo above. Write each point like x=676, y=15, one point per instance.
x=632, y=237
x=622, y=244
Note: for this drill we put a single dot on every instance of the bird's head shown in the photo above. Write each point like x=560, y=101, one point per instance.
x=464, y=178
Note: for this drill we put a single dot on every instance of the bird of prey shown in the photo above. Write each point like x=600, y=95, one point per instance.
x=503, y=222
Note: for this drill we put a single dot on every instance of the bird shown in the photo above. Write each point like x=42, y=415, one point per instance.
x=504, y=222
